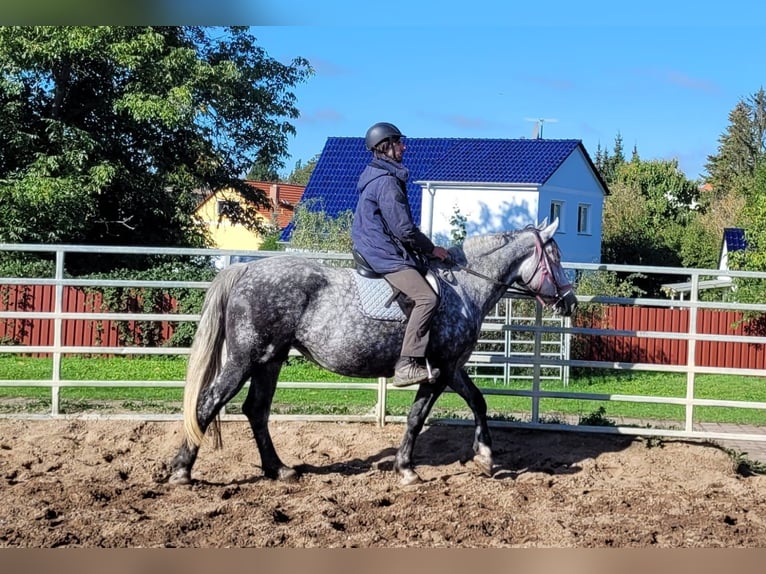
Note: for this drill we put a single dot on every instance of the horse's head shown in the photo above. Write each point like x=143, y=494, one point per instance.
x=541, y=274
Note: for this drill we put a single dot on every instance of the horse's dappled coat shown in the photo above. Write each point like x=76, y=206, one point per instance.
x=263, y=308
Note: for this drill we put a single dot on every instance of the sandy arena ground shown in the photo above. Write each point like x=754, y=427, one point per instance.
x=102, y=484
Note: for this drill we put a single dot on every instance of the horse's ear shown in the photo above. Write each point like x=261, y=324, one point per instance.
x=547, y=231
x=543, y=224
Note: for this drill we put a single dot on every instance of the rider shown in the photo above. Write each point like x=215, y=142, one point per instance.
x=384, y=233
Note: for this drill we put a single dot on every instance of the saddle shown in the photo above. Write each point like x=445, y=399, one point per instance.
x=377, y=296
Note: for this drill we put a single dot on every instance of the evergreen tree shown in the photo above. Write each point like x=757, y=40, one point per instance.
x=741, y=147
x=606, y=164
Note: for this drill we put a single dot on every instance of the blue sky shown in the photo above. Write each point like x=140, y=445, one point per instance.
x=666, y=87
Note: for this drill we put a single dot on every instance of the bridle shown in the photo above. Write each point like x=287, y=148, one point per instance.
x=542, y=268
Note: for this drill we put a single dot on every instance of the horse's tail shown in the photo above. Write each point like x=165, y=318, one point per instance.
x=206, y=354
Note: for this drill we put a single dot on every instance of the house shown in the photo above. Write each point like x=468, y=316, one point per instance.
x=283, y=198
x=496, y=184
x=733, y=240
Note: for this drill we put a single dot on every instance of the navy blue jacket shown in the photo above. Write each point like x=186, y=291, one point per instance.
x=383, y=231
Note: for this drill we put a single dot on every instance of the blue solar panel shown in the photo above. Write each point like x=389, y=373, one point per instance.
x=734, y=237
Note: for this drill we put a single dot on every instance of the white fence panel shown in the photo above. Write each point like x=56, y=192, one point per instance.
x=539, y=346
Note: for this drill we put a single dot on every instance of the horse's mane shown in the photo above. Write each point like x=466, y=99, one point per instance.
x=480, y=245
x=477, y=244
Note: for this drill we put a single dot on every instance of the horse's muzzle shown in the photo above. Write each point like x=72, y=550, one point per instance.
x=566, y=304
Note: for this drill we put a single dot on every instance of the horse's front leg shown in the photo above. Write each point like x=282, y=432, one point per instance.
x=424, y=402
x=482, y=442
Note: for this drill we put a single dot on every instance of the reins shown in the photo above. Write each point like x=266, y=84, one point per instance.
x=542, y=267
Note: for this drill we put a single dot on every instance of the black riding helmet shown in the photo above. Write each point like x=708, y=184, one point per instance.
x=379, y=133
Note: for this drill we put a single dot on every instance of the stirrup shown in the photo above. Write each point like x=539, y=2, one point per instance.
x=431, y=377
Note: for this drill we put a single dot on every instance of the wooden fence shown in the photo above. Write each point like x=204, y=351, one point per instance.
x=609, y=348
x=76, y=332
x=670, y=351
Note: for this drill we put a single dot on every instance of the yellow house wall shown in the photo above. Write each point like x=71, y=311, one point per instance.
x=223, y=233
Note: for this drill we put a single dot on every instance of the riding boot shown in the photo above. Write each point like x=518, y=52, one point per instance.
x=409, y=372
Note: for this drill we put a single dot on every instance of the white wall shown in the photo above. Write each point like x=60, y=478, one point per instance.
x=574, y=183
x=487, y=210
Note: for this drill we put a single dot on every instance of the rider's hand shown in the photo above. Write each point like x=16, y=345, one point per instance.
x=440, y=253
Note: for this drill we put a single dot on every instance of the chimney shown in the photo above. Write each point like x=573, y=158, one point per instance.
x=274, y=196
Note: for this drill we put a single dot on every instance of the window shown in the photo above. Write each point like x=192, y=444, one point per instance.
x=557, y=210
x=225, y=206
x=583, y=218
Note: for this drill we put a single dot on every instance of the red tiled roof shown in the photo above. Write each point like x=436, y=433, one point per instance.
x=284, y=197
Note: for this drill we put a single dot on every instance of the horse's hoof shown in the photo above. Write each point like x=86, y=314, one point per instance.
x=287, y=474
x=485, y=464
x=180, y=477
x=409, y=477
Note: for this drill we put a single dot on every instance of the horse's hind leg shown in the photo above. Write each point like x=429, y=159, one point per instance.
x=424, y=402
x=211, y=400
x=257, y=407
x=482, y=443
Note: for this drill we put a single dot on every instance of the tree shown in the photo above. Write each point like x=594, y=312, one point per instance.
x=753, y=258
x=107, y=133
x=315, y=230
x=262, y=170
x=741, y=146
x=606, y=164
x=302, y=173
x=648, y=218
x=670, y=195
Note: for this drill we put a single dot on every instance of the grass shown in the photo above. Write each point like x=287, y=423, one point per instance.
x=167, y=399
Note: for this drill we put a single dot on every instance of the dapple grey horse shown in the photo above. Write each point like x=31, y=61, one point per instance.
x=263, y=308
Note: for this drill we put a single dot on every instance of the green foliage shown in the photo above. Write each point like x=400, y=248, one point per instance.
x=608, y=283
x=607, y=164
x=458, y=222
x=753, y=258
x=741, y=147
x=270, y=240
x=262, y=170
x=667, y=191
x=649, y=219
x=107, y=133
x=700, y=246
x=315, y=230
x=23, y=265
x=155, y=300
x=302, y=173
x=597, y=418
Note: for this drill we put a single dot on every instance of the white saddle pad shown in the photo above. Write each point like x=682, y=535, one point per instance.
x=377, y=300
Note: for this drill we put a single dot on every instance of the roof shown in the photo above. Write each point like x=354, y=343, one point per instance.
x=332, y=186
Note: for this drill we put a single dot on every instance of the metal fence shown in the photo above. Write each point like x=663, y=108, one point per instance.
x=525, y=350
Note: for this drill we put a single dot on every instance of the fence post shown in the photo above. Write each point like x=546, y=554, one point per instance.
x=381, y=406
x=691, y=353
x=58, y=326
x=536, y=366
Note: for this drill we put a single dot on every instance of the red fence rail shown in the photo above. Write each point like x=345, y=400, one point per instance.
x=665, y=351
x=75, y=332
